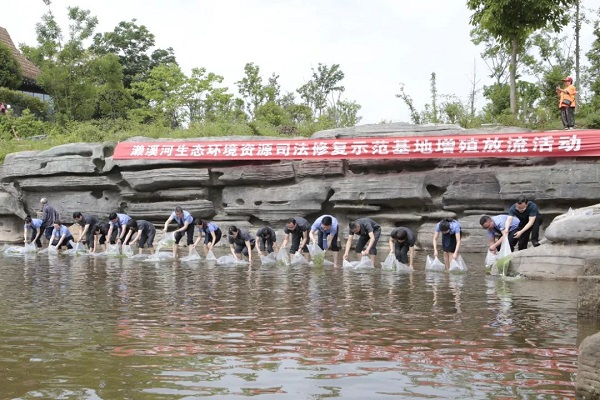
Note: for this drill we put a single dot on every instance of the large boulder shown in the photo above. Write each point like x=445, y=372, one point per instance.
x=587, y=384
x=582, y=225
x=74, y=158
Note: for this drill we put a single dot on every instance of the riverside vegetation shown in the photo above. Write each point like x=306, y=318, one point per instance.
x=110, y=86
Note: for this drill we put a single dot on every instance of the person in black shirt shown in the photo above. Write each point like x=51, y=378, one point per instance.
x=368, y=232
x=240, y=243
x=145, y=233
x=88, y=222
x=298, y=228
x=530, y=220
x=402, y=241
x=266, y=239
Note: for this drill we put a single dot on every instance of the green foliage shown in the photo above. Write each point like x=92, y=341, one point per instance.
x=20, y=101
x=10, y=69
x=323, y=89
x=511, y=22
x=133, y=45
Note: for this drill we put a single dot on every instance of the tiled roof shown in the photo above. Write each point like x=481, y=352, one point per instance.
x=30, y=71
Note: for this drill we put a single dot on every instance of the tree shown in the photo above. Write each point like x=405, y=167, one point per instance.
x=323, y=89
x=512, y=21
x=251, y=88
x=65, y=63
x=112, y=99
x=594, y=68
x=133, y=44
x=415, y=116
x=161, y=96
x=10, y=69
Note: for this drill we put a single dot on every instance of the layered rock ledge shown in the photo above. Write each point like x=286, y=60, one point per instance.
x=415, y=193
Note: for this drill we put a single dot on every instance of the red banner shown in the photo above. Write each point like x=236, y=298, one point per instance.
x=585, y=143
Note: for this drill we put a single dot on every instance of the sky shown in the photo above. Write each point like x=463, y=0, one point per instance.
x=377, y=43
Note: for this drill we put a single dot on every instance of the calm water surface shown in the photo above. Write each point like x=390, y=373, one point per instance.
x=113, y=328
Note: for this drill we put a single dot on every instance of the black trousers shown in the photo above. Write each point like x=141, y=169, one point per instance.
x=567, y=116
x=533, y=232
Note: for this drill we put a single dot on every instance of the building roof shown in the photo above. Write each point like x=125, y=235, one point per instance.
x=29, y=70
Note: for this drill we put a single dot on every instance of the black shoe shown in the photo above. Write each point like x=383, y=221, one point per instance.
x=535, y=243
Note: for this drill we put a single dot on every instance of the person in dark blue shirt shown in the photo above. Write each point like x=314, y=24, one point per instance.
x=530, y=219
x=61, y=236
x=212, y=234
x=185, y=225
x=35, y=226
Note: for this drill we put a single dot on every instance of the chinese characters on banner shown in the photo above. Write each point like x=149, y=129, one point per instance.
x=541, y=144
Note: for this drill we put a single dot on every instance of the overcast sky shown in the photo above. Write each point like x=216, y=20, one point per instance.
x=378, y=43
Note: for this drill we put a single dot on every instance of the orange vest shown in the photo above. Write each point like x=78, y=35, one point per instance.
x=569, y=95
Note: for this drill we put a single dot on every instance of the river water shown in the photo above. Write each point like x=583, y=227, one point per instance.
x=80, y=327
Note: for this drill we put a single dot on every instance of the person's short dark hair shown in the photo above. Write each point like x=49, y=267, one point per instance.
x=484, y=219
x=28, y=219
x=352, y=225
x=522, y=199
x=291, y=221
x=401, y=235
x=198, y=222
x=178, y=209
x=233, y=229
x=444, y=225
x=132, y=224
x=77, y=214
x=57, y=222
x=327, y=221
x=112, y=216
x=266, y=233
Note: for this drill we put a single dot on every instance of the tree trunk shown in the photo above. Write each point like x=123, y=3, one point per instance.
x=577, y=48
x=513, y=76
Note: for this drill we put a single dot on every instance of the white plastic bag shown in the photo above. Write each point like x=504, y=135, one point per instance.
x=365, y=262
x=314, y=250
x=193, y=256
x=283, y=257
x=269, y=259
x=210, y=256
x=390, y=262
x=434, y=264
x=347, y=264
x=230, y=260
x=458, y=265
x=490, y=258
x=30, y=248
x=127, y=250
x=298, y=259
x=76, y=248
x=403, y=268
x=167, y=240
x=113, y=250
x=505, y=248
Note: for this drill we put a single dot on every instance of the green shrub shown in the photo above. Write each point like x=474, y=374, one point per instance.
x=21, y=101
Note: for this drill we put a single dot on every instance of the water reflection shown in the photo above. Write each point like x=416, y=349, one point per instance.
x=90, y=327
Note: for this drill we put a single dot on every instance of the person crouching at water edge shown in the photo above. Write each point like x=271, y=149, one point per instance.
x=118, y=223
x=298, y=228
x=35, y=226
x=185, y=224
x=402, y=244
x=61, y=236
x=451, y=232
x=326, y=227
x=144, y=234
x=240, y=243
x=266, y=239
x=368, y=232
x=497, y=228
x=89, y=223
x=212, y=234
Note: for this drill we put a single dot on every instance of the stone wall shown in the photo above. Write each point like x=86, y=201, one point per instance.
x=414, y=193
